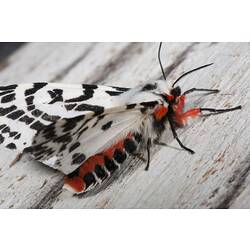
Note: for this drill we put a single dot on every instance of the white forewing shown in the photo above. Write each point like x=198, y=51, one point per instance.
x=27, y=108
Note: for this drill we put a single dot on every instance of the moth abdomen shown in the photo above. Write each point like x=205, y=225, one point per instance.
x=100, y=167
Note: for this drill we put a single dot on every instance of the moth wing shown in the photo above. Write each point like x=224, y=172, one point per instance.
x=67, y=143
x=28, y=108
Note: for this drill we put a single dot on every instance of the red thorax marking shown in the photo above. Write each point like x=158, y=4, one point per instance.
x=170, y=97
x=160, y=112
x=181, y=117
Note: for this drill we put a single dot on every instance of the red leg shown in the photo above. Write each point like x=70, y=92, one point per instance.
x=181, y=118
x=192, y=113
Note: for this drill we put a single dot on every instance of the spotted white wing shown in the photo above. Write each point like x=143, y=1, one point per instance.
x=67, y=143
x=62, y=125
x=28, y=108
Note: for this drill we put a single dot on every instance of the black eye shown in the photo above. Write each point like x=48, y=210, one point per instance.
x=176, y=91
x=149, y=86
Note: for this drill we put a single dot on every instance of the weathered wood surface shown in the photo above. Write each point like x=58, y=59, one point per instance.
x=217, y=176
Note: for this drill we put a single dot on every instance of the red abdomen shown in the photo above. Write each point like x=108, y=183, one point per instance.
x=100, y=167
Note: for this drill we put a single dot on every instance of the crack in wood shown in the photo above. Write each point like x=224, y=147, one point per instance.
x=236, y=182
x=65, y=71
x=50, y=196
x=6, y=49
x=179, y=59
x=114, y=63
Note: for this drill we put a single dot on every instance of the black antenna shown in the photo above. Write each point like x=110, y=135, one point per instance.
x=159, y=58
x=201, y=67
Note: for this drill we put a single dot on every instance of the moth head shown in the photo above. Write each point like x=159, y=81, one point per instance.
x=175, y=91
x=173, y=95
x=160, y=88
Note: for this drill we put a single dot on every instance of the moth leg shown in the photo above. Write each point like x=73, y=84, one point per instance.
x=200, y=90
x=148, y=154
x=17, y=159
x=177, y=139
x=181, y=119
x=139, y=156
x=159, y=143
x=218, y=111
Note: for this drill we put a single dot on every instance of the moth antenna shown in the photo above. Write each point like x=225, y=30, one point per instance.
x=159, y=58
x=201, y=67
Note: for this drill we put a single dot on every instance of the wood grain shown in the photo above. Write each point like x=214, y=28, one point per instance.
x=217, y=176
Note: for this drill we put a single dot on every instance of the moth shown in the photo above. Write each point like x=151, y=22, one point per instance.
x=88, y=131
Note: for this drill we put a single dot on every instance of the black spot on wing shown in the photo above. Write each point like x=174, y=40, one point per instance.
x=6, y=130
x=99, y=118
x=74, y=146
x=29, y=100
x=17, y=137
x=36, y=87
x=107, y=125
x=63, y=138
x=2, y=126
x=70, y=106
x=12, y=134
x=16, y=114
x=63, y=148
x=36, y=112
x=8, y=98
x=82, y=131
x=6, y=92
x=5, y=111
x=1, y=139
x=78, y=158
x=36, y=150
x=89, y=86
x=98, y=110
x=88, y=92
x=131, y=106
x=113, y=93
x=78, y=99
x=31, y=107
x=56, y=95
x=50, y=118
x=71, y=123
x=8, y=87
x=49, y=132
x=40, y=152
x=121, y=88
x=52, y=94
x=143, y=110
x=37, y=126
x=26, y=119
x=69, y=126
x=148, y=87
x=149, y=104
x=11, y=146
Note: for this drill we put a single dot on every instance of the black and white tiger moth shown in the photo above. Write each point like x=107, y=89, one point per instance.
x=88, y=131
